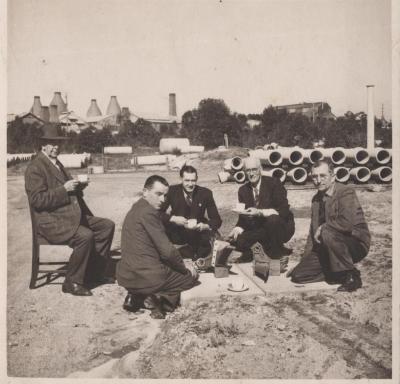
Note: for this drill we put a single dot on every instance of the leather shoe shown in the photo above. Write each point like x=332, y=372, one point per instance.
x=132, y=303
x=157, y=312
x=75, y=289
x=352, y=281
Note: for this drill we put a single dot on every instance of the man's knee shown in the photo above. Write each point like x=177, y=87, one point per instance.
x=330, y=237
x=84, y=236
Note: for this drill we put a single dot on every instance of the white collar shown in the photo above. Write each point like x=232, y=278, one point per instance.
x=257, y=186
x=54, y=161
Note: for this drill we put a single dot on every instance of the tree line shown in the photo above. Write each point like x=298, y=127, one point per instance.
x=207, y=124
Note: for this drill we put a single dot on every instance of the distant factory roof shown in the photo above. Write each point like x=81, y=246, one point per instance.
x=96, y=119
x=155, y=119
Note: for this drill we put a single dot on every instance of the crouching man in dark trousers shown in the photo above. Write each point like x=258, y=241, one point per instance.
x=151, y=268
x=339, y=235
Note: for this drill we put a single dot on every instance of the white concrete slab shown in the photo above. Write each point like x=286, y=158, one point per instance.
x=282, y=284
x=213, y=288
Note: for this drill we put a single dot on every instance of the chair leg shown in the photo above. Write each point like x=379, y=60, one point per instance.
x=35, y=265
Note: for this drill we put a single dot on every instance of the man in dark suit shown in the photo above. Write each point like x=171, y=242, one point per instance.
x=151, y=267
x=62, y=216
x=266, y=220
x=187, y=223
x=339, y=234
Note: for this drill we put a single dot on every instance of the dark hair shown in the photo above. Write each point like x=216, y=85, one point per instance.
x=321, y=162
x=153, y=179
x=187, y=169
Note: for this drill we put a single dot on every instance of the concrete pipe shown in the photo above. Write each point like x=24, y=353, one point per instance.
x=117, y=150
x=336, y=155
x=169, y=145
x=224, y=177
x=71, y=160
x=360, y=174
x=240, y=177
x=381, y=156
x=294, y=156
x=313, y=155
x=342, y=174
x=271, y=157
x=193, y=149
x=275, y=172
x=297, y=175
x=152, y=159
x=382, y=174
x=358, y=155
x=234, y=164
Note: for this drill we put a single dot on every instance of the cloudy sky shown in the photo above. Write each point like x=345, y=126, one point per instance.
x=249, y=53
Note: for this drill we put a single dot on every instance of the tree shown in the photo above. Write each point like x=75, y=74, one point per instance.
x=207, y=124
x=23, y=138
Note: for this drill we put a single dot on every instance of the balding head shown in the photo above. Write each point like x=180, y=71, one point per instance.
x=252, y=166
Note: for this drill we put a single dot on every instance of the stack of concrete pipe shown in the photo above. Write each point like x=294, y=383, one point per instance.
x=293, y=163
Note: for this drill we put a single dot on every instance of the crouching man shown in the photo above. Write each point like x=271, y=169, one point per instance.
x=339, y=235
x=151, y=268
x=267, y=222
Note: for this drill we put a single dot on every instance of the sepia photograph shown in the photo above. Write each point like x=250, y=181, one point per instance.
x=200, y=190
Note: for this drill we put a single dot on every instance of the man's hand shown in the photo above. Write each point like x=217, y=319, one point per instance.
x=202, y=227
x=317, y=234
x=193, y=271
x=235, y=233
x=71, y=185
x=178, y=220
x=253, y=212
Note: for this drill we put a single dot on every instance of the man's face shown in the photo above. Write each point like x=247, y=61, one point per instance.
x=253, y=171
x=156, y=195
x=51, y=150
x=189, y=181
x=322, y=177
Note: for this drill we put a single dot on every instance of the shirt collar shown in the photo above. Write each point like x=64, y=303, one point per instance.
x=330, y=190
x=257, y=186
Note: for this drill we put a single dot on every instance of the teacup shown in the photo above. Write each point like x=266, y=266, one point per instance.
x=237, y=284
x=191, y=223
x=83, y=178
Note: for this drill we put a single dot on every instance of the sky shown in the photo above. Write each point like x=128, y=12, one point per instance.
x=249, y=53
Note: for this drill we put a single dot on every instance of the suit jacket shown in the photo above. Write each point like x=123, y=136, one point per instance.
x=203, y=202
x=343, y=213
x=272, y=194
x=147, y=253
x=56, y=212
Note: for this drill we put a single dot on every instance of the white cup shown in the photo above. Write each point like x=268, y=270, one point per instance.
x=191, y=223
x=240, y=206
x=237, y=284
x=83, y=178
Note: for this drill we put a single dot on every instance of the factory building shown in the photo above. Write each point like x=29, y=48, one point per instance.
x=313, y=111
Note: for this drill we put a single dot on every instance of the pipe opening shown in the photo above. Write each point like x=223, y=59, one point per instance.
x=383, y=156
x=275, y=157
x=240, y=177
x=362, y=156
x=363, y=174
x=315, y=156
x=296, y=157
x=342, y=174
x=279, y=173
x=237, y=163
x=338, y=157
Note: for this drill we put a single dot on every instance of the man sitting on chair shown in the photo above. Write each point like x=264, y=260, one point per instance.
x=62, y=216
x=187, y=222
x=267, y=222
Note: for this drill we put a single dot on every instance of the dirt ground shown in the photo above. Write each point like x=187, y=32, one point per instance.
x=304, y=335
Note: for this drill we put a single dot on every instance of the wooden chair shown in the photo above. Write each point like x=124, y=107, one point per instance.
x=37, y=242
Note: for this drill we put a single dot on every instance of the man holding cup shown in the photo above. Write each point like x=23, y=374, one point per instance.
x=265, y=220
x=187, y=222
x=62, y=216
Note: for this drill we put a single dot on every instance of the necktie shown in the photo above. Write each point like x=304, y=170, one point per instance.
x=256, y=197
x=189, y=200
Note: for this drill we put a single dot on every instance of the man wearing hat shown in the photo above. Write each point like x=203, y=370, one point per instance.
x=62, y=216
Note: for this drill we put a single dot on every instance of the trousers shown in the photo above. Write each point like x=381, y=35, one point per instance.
x=91, y=245
x=272, y=233
x=337, y=252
